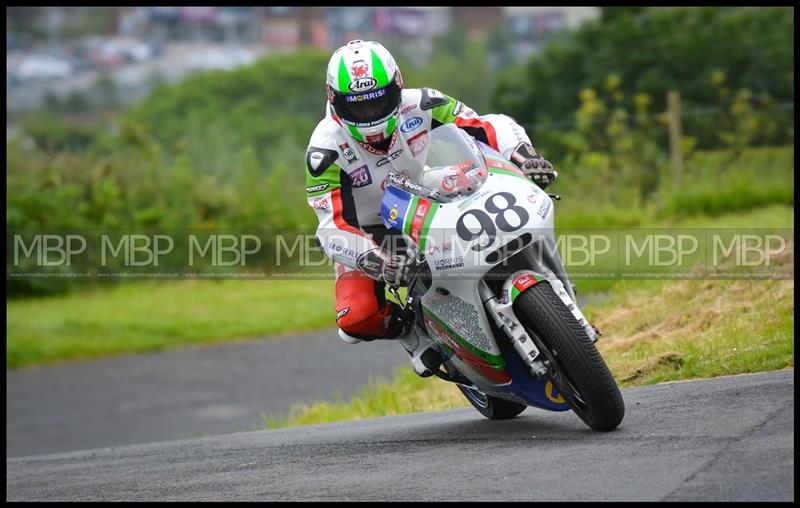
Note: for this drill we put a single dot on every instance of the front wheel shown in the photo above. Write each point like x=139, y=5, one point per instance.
x=577, y=369
x=491, y=407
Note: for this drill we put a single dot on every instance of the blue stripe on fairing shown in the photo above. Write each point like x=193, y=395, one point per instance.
x=527, y=387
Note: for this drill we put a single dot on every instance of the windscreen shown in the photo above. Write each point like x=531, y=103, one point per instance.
x=455, y=167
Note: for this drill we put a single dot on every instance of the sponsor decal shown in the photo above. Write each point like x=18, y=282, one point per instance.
x=360, y=177
x=523, y=282
x=321, y=204
x=406, y=109
x=317, y=188
x=375, y=151
x=418, y=143
x=449, y=263
x=433, y=248
x=366, y=96
x=393, y=207
x=467, y=112
x=518, y=133
x=533, y=197
x=362, y=85
x=473, y=199
x=370, y=262
x=392, y=156
x=349, y=153
x=359, y=69
x=404, y=173
x=375, y=138
x=336, y=249
x=464, y=165
x=342, y=312
x=544, y=209
x=411, y=124
x=405, y=183
x=418, y=220
x=449, y=182
x=552, y=393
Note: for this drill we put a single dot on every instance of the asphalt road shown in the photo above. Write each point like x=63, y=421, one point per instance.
x=187, y=392
x=725, y=439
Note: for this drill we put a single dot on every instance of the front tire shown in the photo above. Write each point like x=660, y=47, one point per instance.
x=577, y=369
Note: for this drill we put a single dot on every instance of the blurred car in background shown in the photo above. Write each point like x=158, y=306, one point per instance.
x=43, y=68
x=115, y=52
x=225, y=58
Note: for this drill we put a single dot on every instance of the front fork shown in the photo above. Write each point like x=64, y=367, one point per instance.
x=501, y=310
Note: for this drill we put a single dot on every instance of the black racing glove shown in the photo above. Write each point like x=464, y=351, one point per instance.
x=533, y=165
x=395, y=270
x=399, y=269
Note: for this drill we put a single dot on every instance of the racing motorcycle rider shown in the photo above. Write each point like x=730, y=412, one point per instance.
x=373, y=125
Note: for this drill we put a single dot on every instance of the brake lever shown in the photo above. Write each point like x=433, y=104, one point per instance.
x=393, y=291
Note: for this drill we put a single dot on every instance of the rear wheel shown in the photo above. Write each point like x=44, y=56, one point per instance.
x=491, y=407
x=577, y=369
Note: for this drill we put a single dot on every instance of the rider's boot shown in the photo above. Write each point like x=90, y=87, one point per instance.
x=424, y=357
x=349, y=338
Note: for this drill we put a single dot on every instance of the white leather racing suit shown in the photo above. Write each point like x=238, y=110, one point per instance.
x=345, y=179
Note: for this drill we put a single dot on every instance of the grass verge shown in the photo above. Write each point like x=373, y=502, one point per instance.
x=151, y=316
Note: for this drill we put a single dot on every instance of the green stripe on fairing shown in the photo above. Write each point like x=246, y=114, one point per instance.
x=412, y=206
x=423, y=235
x=344, y=76
x=506, y=172
x=496, y=361
x=378, y=71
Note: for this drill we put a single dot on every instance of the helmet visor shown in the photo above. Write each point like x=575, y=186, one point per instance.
x=368, y=108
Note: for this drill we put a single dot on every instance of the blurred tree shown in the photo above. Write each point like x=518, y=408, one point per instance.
x=655, y=50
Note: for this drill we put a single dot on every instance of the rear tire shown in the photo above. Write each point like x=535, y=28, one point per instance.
x=492, y=407
x=598, y=401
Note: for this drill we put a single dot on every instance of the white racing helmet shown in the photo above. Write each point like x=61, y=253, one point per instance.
x=364, y=87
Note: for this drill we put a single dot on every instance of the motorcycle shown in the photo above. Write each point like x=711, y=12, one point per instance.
x=494, y=299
